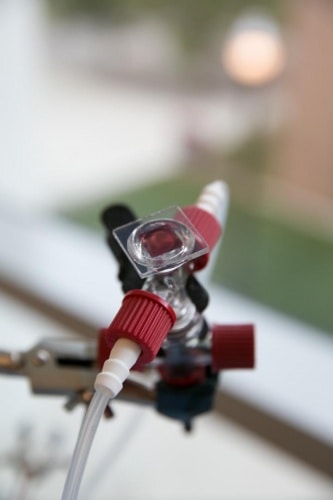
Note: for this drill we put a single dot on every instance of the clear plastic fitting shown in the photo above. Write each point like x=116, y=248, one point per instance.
x=161, y=242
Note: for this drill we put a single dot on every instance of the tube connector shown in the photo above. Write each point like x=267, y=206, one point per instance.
x=208, y=216
x=144, y=318
x=214, y=199
x=134, y=337
x=123, y=356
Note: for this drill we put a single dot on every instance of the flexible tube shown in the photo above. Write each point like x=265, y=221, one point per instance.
x=86, y=435
x=108, y=384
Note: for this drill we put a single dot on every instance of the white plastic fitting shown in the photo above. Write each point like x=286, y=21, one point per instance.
x=214, y=198
x=123, y=356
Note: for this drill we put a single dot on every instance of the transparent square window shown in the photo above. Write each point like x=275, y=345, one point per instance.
x=161, y=242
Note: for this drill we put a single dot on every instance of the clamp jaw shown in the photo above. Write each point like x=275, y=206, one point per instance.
x=68, y=367
x=162, y=310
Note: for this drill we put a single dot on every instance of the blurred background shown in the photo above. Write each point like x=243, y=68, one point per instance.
x=145, y=102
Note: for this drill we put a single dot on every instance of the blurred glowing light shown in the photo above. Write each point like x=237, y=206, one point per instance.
x=253, y=53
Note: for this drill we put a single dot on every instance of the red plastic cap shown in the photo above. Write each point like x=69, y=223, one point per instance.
x=209, y=228
x=103, y=351
x=205, y=223
x=232, y=346
x=145, y=318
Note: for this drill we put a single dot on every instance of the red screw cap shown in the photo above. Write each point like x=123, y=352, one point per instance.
x=205, y=223
x=232, y=346
x=103, y=350
x=144, y=318
x=209, y=228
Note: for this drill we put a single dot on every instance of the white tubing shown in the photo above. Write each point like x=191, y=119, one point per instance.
x=86, y=435
x=108, y=384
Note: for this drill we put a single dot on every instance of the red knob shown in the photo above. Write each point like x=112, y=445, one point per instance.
x=232, y=346
x=145, y=318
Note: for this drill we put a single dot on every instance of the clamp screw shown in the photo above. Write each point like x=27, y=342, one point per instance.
x=41, y=358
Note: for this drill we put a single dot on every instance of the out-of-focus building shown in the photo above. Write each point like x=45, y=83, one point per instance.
x=307, y=154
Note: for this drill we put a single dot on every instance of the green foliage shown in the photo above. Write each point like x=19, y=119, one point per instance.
x=253, y=154
x=182, y=10
x=279, y=265
x=194, y=22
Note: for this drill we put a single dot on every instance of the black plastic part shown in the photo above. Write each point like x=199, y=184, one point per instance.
x=117, y=215
x=112, y=217
x=197, y=293
x=204, y=330
x=185, y=403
